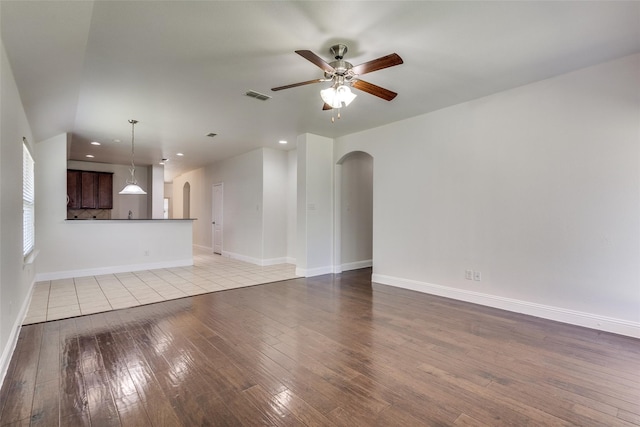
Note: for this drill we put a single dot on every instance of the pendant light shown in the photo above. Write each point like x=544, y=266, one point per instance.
x=132, y=186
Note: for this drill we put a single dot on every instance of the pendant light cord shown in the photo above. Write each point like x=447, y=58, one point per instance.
x=133, y=165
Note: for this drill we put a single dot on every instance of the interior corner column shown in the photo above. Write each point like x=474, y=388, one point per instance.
x=315, y=206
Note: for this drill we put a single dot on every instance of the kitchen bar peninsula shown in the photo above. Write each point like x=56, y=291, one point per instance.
x=92, y=247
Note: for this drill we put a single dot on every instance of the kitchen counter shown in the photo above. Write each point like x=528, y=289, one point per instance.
x=93, y=247
x=128, y=220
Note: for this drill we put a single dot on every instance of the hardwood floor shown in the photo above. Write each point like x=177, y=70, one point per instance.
x=330, y=350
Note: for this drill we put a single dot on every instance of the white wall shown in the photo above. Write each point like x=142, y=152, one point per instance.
x=168, y=193
x=122, y=203
x=301, y=205
x=242, y=206
x=155, y=192
x=244, y=213
x=292, y=191
x=315, y=205
x=356, y=211
x=16, y=278
x=274, y=202
x=200, y=203
x=537, y=187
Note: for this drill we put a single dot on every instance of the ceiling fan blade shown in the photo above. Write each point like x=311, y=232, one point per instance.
x=312, y=57
x=378, y=64
x=378, y=91
x=308, y=82
x=326, y=107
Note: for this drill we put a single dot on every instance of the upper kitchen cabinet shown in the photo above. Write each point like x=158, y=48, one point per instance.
x=89, y=190
x=73, y=189
x=105, y=190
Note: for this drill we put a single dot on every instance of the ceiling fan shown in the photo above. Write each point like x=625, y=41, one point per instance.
x=344, y=75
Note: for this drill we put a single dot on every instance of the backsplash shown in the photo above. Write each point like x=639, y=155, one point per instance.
x=88, y=213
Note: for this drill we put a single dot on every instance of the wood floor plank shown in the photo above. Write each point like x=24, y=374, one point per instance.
x=156, y=403
x=49, y=360
x=275, y=410
x=216, y=412
x=303, y=411
x=21, y=384
x=102, y=408
x=328, y=350
x=131, y=411
x=73, y=397
x=45, y=410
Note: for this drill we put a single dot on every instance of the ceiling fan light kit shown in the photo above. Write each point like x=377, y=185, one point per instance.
x=343, y=76
x=337, y=97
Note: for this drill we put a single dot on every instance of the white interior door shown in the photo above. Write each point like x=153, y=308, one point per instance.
x=216, y=215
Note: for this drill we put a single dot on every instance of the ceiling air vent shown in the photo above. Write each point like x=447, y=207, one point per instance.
x=258, y=95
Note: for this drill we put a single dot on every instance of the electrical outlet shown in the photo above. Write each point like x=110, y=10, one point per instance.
x=468, y=274
x=477, y=276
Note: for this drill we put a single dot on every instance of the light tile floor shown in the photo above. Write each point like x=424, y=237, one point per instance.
x=60, y=299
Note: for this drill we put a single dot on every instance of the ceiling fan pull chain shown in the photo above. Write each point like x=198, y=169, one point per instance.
x=333, y=119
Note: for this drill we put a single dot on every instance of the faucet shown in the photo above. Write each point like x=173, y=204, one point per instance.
x=130, y=215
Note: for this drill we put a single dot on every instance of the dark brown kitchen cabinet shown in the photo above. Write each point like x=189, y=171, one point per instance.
x=73, y=189
x=89, y=190
x=105, y=191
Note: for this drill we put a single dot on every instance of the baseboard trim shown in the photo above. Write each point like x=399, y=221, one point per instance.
x=257, y=261
x=10, y=347
x=356, y=265
x=55, y=275
x=204, y=248
x=274, y=261
x=572, y=317
x=311, y=272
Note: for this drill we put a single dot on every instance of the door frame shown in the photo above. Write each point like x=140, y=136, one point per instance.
x=217, y=221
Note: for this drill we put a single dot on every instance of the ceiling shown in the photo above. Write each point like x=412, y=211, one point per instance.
x=182, y=68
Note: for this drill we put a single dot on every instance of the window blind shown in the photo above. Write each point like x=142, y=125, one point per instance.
x=28, y=200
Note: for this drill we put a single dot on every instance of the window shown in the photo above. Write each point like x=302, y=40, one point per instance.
x=28, y=200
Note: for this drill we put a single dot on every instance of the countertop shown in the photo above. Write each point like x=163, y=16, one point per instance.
x=127, y=220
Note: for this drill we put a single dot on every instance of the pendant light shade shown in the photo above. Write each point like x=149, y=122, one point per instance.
x=132, y=189
x=132, y=186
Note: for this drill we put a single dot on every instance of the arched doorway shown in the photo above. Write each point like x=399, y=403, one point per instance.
x=354, y=211
x=186, y=200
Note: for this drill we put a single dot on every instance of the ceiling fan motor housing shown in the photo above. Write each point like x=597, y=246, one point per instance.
x=341, y=68
x=338, y=51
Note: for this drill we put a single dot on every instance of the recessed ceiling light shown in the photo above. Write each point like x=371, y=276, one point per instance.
x=95, y=143
x=179, y=154
x=282, y=141
x=91, y=156
x=211, y=134
x=161, y=163
x=116, y=140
